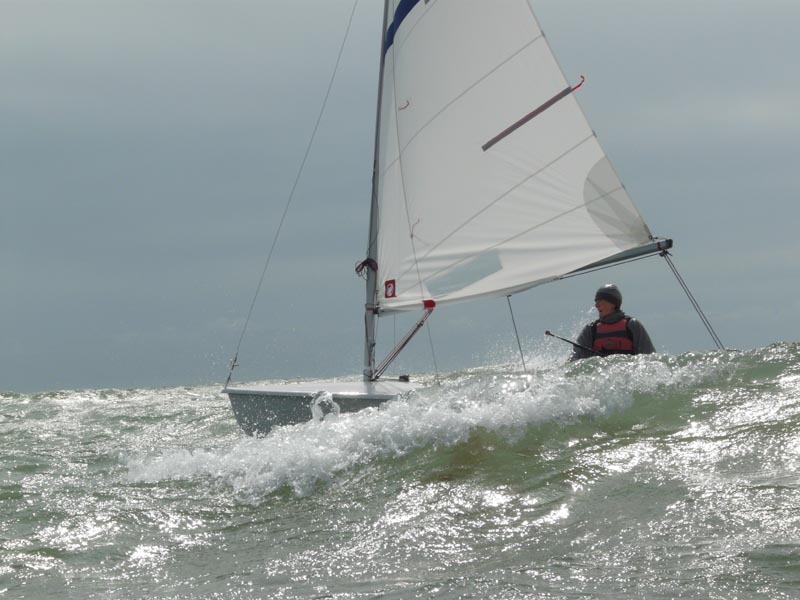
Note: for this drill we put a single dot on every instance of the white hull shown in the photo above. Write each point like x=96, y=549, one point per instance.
x=260, y=408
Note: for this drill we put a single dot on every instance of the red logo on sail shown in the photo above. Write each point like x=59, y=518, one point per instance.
x=390, y=289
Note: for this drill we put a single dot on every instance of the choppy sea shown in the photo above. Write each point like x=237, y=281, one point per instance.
x=629, y=477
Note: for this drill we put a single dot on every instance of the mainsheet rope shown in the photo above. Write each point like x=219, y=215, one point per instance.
x=234, y=362
x=694, y=302
x=516, y=333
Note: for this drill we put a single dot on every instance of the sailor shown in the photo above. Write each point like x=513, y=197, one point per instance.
x=614, y=332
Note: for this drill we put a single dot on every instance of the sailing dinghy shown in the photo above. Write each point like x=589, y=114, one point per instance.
x=488, y=180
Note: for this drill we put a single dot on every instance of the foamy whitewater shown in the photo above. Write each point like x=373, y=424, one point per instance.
x=629, y=477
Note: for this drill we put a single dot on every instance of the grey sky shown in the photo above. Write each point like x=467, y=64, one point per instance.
x=147, y=149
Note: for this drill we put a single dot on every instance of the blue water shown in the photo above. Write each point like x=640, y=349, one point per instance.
x=629, y=477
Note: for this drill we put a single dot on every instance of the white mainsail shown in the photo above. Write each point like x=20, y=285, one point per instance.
x=455, y=221
x=488, y=180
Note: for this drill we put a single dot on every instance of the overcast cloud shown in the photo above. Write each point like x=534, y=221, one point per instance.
x=147, y=149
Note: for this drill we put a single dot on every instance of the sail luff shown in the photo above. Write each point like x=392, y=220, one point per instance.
x=370, y=314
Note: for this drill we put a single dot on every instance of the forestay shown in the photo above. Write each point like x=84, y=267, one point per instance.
x=455, y=221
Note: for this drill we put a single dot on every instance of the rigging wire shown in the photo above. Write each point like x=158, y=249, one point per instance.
x=516, y=333
x=234, y=362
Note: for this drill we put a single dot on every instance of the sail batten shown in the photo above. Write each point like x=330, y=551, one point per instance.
x=460, y=220
x=456, y=98
x=489, y=206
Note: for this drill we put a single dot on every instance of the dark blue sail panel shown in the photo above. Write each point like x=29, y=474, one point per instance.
x=405, y=7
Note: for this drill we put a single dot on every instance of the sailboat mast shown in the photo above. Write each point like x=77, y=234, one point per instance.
x=370, y=314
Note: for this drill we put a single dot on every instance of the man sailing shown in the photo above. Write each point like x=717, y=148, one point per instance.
x=614, y=332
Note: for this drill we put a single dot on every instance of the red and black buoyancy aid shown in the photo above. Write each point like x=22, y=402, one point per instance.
x=613, y=338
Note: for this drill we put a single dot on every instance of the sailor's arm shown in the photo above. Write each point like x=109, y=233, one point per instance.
x=584, y=339
x=641, y=339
